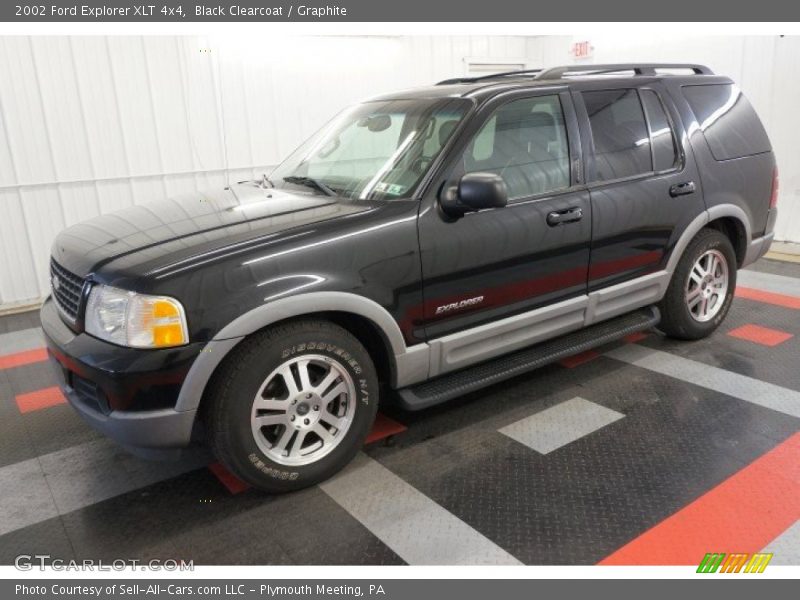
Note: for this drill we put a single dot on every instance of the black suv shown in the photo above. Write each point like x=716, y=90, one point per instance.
x=422, y=245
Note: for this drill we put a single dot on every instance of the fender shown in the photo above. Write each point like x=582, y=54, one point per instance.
x=410, y=363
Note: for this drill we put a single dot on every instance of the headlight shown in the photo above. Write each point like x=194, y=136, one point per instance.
x=135, y=320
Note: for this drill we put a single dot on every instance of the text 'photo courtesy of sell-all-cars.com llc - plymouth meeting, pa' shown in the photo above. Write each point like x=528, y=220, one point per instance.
x=422, y=245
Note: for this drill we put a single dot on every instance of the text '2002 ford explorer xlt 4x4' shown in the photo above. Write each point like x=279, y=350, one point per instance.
x=422, y=245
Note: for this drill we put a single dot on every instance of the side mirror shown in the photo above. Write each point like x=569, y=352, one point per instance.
x=475, y=191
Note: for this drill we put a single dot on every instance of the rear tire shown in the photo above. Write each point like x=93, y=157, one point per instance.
x=292, y=405
x=701, y=290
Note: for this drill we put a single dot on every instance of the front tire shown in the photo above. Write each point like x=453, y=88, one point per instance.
x=292, y=405
x=701, y=290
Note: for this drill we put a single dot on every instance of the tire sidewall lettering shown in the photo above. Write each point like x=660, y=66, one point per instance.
x=338, y=353
x=273, y=472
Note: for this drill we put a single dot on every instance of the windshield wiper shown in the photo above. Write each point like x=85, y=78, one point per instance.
x=310, y=182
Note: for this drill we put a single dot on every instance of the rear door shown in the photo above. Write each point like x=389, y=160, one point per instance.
x=644, y=185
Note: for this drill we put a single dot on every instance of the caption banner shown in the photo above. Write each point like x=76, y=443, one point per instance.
x=394, y=589
x=398, y=10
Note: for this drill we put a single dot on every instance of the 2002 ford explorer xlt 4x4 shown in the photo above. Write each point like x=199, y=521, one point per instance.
x=422, y=245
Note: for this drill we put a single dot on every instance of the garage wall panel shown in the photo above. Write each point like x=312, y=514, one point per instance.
x=103, y=123
x=16, y=253
x=167, y=98
x=135, y=105
x=43, y=210
x=63, y=121
x=784, y=130
x=24, y=120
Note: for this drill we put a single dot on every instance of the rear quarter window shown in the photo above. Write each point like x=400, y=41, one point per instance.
x=728, y=122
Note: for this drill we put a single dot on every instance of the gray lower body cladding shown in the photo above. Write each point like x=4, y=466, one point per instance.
x=488, y=373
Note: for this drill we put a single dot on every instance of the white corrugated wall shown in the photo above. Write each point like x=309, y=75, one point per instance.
x=92, y=124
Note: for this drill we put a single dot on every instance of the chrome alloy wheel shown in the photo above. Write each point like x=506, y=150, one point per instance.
x=303, y=410
x=707, y=286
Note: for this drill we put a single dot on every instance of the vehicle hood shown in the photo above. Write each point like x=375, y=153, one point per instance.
x=175, y=229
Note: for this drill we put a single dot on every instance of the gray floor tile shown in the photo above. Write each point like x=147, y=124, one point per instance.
x=559, y=425
x=26, y=498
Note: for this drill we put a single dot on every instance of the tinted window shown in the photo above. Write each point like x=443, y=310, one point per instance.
x=621, y=143
x=525, y=142
x=662, y=139
x=727, y=120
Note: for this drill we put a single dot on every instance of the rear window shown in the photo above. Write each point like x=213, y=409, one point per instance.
x=728, y=121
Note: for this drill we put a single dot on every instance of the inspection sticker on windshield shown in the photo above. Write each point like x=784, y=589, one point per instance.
x=395, y=189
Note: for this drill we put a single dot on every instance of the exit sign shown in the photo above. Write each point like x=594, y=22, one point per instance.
x=581, y=50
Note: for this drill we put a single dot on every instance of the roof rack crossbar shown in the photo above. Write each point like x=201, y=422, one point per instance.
x=637, y=68
x=491, y=76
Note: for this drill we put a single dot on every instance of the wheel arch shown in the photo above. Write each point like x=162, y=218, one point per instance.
x=735, y=231
x=727, y=218
x=367, y=320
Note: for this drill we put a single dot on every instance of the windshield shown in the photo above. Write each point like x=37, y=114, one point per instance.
x=373, y=151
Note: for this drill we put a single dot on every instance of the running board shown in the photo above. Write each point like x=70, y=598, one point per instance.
x=447, y=387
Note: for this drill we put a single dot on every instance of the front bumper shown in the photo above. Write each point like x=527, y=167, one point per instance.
x=125, y=393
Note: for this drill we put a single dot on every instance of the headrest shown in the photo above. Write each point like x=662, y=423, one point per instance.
x=445, y=129
x=526, y=120
x=540, y=119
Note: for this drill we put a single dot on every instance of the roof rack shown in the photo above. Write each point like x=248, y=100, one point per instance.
x=492, y=76
x=637, y=68
x=645, y=69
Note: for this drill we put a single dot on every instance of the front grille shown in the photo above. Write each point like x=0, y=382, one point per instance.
x=67, y=289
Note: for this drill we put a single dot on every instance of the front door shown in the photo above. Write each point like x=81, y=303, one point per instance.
x=494, y=264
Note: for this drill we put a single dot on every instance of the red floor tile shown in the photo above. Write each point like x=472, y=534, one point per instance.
x=760, y=335
x=18, y=359
x=383, y=428
x=742, y=514
x=40, y=399
x=573, y=361
x=768, y=297
x=228, y=479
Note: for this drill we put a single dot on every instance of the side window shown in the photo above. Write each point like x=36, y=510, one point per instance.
x=621, y=142
x=484, y=141
x=662, y=138
x=525, y=142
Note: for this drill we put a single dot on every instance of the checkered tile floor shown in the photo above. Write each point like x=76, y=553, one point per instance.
x=647, y=451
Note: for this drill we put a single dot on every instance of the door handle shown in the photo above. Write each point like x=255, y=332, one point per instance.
x=569, y=215
x=681, y=189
